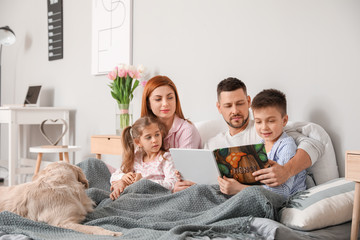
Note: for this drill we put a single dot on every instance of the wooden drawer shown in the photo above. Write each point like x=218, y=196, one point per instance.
x=106, y=144
x=352, y=166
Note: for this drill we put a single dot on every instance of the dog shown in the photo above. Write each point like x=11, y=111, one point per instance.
x=56, y=196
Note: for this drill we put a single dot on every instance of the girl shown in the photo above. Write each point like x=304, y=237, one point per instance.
x=148, y=160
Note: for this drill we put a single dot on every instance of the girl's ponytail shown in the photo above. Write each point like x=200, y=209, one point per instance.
x=128, y=150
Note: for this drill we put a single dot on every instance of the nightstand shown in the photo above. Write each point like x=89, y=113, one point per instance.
x=105, y=144
x=352, y=173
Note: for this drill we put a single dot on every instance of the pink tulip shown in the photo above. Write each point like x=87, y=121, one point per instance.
x=143, y=83
x=132, y=73
x=111, y=75
x=122, y=73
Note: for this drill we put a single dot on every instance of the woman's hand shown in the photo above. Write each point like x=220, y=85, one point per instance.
x=117, y=187
x=129, y=178
x=181, y=185
x=178, y=175
x=230, y=186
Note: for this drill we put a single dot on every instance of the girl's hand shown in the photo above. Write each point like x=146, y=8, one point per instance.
x=138, y=177
x=117, y=188
x=129, y=178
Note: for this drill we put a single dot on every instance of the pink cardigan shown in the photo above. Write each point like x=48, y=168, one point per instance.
x=182, y=134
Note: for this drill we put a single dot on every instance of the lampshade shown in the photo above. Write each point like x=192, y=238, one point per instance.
x=7, y=36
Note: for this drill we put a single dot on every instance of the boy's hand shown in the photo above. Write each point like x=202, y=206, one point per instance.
x=273, y=176
x=230, y=186
x=117, y=188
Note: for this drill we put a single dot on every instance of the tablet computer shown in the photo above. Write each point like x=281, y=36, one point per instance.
x=196, y=165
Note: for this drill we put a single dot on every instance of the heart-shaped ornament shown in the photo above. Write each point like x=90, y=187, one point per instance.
x=54, y=121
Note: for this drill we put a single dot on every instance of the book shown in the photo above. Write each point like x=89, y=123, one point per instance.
x=240, y=162
x=203, y=166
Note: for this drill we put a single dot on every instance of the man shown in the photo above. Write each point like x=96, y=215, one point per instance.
x=233, y=104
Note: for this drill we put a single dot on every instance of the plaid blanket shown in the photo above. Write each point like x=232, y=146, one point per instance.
x=146, y=210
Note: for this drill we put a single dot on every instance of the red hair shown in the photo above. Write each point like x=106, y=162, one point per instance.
x=150, y=86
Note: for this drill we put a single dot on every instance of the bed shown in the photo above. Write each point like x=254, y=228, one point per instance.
x=148, y=211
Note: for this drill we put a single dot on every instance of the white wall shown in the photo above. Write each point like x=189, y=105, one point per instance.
x=308, y=49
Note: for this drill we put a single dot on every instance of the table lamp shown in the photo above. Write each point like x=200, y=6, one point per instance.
x=7, y=37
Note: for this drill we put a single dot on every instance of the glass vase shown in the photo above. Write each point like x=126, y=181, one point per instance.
x=124, y=117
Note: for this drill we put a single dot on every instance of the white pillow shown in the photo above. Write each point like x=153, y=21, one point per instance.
x=210, y=128
x=325, y=168
x=324, y=205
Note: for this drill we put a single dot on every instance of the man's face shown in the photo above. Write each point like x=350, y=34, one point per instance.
x=234, y=107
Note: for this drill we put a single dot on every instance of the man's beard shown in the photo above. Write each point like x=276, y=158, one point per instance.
x=242, y=124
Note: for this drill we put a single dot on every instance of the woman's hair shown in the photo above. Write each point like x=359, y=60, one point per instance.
x=150, y=86
x=130, y=133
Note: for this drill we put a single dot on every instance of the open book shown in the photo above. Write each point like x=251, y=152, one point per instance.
x=203, y=166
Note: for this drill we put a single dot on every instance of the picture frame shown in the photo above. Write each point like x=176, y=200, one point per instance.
x=111, y=34
x=32, y=97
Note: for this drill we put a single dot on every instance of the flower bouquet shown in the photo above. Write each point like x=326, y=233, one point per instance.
x=125, y=79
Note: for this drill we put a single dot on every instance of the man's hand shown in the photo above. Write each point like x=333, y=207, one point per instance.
x=273, y=176
x=230, y=186
x=181, y=185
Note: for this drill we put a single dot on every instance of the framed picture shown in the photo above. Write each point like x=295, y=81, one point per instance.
x=111, y=34
x=32, y=98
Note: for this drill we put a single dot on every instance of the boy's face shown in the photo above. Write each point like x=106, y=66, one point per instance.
x=269, y=123
x=234, y=107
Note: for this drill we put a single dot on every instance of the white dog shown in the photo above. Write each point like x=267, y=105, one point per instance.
x=55, y=196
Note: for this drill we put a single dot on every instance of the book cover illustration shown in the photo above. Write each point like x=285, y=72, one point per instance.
x=240, y=162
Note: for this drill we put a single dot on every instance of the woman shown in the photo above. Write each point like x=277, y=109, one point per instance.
x=161, y=100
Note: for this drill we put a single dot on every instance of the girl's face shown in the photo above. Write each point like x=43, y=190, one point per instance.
x=151, y=139
x=163, y=102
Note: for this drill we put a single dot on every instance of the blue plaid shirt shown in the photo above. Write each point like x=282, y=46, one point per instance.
x=282, y=151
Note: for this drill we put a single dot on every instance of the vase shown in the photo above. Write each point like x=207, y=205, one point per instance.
x=124, y=117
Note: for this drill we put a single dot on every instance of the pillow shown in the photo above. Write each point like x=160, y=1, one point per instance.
x=325, y=168
x=324, y=205
x=210, y=128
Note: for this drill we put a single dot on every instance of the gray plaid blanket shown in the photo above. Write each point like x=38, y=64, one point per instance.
x=146, y=210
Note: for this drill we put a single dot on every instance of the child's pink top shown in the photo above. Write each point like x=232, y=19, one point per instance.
x=182, y=134
x=161, y=171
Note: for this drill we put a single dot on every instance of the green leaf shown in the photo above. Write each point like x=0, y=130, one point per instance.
x=223, y=152
x=263, y=157
x=224, y=170
x=136, y=83
x=258, y=147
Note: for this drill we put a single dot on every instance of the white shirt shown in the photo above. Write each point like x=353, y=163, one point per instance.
x=224, y=139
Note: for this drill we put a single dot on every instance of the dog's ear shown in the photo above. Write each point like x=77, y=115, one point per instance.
x=82, y=177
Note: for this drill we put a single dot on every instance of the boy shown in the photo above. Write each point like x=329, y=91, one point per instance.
x=269, y=110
